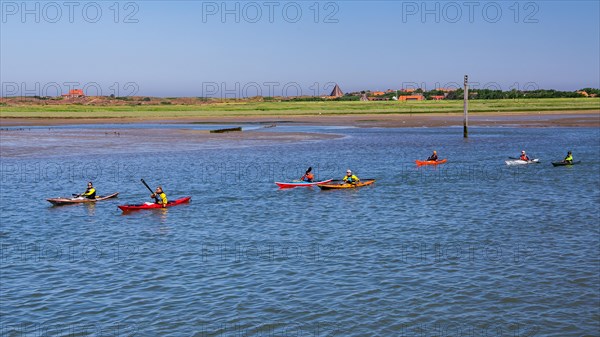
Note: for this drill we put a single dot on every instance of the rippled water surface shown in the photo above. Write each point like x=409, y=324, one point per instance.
x=470, y=248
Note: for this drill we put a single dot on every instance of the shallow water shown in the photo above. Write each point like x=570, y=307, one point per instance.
x=470, y=248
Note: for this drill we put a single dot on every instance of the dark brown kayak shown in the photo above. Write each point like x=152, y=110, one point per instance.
x=562, y=163
x=79, y=200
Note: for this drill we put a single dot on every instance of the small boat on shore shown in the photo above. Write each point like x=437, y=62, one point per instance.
x=148, y=205
x=340, y=185
x=238, y=129
x=301, y=183
x=430, y=162
x=79, y=200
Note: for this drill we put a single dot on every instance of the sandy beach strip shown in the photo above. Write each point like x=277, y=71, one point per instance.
x=54, y=142
x=517, y=119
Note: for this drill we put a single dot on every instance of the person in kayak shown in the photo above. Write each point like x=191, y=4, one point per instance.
x=308, y=176
x=90, y=192
x=524, y=156
x=569, y=158
x=434, y=157
x=350, y=178
x=160, y=197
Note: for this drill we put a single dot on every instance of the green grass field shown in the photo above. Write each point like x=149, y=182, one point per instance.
x=295, y=108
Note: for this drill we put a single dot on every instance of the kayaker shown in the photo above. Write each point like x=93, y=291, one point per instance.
x=569, y=158
x=524, y=156
x=308, y=176
x=90, y=192
x=159, y=196
x=433, y=157
x=350, y=178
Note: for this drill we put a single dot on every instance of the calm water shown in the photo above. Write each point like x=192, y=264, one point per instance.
x=471, y=248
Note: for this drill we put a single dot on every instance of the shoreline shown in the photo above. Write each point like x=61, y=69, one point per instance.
x=571, y=118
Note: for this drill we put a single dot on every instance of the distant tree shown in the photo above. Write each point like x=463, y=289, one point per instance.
x=454, y=95
x=347, y=98
x=513, y=94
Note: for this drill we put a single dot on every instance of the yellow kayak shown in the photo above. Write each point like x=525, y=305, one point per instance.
x=336, y=185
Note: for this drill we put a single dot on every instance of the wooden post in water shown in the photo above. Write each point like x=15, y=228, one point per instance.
x=466, y=108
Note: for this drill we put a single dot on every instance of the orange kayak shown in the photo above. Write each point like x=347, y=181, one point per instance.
x=430, y=162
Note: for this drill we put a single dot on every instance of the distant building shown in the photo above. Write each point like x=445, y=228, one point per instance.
x=437, y=97
x=583, y=93
x=337, y=92
x=445, y=89
x=411, y=98
x=408, y=90
x=74, y=93
x=378, y=93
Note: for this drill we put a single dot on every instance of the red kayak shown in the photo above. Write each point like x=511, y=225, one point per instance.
x=180, y=201
x=430, y=162
x=301, y=183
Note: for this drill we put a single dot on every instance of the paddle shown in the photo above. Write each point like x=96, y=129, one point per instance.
x=515, y=158
x=518, y=158
x=149, y=189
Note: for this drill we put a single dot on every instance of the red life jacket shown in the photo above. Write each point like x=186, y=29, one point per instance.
x=308, y=177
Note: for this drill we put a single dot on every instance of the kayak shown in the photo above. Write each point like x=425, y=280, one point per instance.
x=337, y=185
x=562, y=163
x=78, y=200
x=180, y=201
x=430, y=162
x=301, y=183
x=521, y=162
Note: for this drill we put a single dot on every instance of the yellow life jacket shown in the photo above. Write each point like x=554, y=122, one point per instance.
x=162, y=198
x=90, y=193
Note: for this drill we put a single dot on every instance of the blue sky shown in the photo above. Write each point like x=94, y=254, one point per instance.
x=232, y=49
